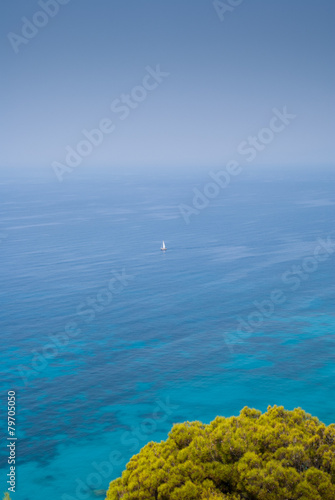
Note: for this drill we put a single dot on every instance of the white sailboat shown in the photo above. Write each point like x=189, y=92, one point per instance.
x=163, y=247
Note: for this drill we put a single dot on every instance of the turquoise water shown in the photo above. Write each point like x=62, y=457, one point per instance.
x=163, y=345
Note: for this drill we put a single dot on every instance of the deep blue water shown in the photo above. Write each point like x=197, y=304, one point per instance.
x=164, y=348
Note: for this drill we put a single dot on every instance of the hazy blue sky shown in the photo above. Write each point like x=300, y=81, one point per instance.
x=225, y=77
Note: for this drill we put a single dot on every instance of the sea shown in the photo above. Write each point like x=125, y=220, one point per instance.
x=107, y=341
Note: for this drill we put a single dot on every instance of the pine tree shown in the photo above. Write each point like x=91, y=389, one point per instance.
x=272, y=456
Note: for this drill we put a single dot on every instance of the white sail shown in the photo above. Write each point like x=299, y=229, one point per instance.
x=163, y=246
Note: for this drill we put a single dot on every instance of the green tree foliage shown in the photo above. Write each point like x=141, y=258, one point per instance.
x=278, y=455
